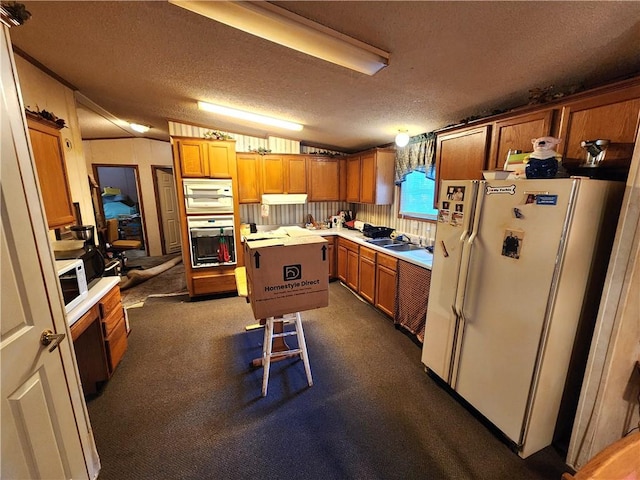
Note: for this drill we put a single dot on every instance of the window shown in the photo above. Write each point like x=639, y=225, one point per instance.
x=417, y=195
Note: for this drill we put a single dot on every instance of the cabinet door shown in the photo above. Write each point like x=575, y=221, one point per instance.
x=516, y=134
x=332, y=258
x=296, y=174
x=193, y=158
x=367, y=274
x=386, y=284
x=342, y=262
x=353, y=260
x=343, y=179
x=461, y=155
x=221, y=160
x=324, y=179
x=612, y=116
x=273, y=174
x=89, y=347
x=353, y=179
x=248, y=178
x=52, y=173
x=368, y=178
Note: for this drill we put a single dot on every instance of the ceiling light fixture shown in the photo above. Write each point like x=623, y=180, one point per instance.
x=139, y=128
x=283, y=27
x=402, y=138
x=252, y=117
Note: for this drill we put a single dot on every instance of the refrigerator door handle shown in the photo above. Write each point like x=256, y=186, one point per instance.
x=466, y=254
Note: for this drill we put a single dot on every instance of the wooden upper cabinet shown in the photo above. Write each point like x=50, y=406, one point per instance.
x=48, y=153
x=370, y=177
x=192, y=157
x=222, y=159
x=516, y=134
x=273, y=180
x=295, y=174
x=248, y=166
x=353, y=179
x=205, y=158
x=324, y=179
x=343, y=178
x=613, y=116
x=462, y=155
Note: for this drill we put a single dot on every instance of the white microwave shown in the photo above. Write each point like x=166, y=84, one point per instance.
x=73, y=282
x=209, y=195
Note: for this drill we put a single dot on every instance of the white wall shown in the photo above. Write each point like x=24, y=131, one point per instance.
x=42, y=92
x=144, y=153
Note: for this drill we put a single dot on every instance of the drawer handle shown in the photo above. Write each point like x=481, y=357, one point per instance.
x=53, y=339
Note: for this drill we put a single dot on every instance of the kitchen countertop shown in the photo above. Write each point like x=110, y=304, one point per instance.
x=421, y=257
x=99, y=290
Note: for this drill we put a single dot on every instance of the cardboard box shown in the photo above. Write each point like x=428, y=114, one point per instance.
x=287, y=275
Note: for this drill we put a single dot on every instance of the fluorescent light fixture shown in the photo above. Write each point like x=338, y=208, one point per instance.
x=283, y=27
x=402, y=138
x=139, y=128
x=252, y=117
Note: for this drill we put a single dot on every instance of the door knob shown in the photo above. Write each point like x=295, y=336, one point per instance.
x=52, y=339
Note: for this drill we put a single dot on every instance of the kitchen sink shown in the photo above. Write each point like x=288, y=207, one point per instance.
x=383, y=242
x=403, y=247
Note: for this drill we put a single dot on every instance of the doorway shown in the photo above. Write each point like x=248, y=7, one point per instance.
x=119, y=200
x=167, y=207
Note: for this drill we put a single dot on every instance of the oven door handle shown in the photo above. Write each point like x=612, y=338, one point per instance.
x=211, y=231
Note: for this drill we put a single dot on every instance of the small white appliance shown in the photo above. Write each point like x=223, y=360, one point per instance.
x=209, y=195
x=212, y=241
x=73, y=282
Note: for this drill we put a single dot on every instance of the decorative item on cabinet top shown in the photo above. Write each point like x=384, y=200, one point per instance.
x=47, y=116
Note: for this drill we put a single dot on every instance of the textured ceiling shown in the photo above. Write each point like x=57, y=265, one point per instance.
x=149, y=62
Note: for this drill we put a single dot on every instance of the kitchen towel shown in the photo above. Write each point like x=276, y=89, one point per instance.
x=412, y=297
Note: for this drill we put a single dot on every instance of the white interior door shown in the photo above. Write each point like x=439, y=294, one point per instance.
x=40, y=430
x=168, y=210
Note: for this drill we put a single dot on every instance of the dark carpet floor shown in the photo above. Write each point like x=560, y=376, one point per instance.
x=184, y=403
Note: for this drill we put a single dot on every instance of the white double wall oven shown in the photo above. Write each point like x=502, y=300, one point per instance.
x=210, y=222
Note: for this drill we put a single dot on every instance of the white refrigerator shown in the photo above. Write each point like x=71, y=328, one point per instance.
x=514, y=273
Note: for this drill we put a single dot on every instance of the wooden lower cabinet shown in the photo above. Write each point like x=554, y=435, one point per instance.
x=353, y=262
x=367, y=274
x=348, y=260
x=370, y=273
x=333, y=271
x=209, y=281
x=386, y=274
x=91, y=356
x=100, y=340
x=114, y=327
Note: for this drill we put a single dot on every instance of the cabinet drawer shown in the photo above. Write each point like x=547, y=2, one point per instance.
x=111, y=322
x=348, y=244
x=388, y=261
x=368, y=253
x=220, y=283
x=110, y=301
x=116, y=345
x=84, y=322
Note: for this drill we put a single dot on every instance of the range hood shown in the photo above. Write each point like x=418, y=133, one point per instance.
x=284, y=199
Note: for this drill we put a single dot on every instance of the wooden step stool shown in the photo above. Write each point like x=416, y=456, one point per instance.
x=274, y=346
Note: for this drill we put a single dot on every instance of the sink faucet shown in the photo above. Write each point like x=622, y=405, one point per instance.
x=403, y=238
